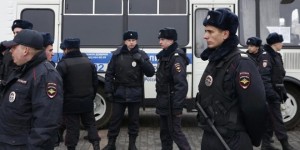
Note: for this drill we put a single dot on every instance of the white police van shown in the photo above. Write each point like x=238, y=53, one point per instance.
x=100, y=25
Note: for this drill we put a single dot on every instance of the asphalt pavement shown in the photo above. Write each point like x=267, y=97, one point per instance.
x=148, y=138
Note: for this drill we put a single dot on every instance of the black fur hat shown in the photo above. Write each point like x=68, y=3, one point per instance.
x=62, y=46
x=48, y=40
x=256, y=41
x=274, y=38
x=21, y=24
x=70, y=43
x=130, y=35
x=168, y=33
x=223, y=19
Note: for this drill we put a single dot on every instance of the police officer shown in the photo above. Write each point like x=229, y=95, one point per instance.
x=124, y=87
x=171, y=88
x=79, y=93
x=2, y=51
x=254, y=48
x=31, y=102
x=48, y=46
x=8, y=64
x=231, y=90
x=273, y=72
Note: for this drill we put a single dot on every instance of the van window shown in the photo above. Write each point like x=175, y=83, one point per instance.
x=37, y=18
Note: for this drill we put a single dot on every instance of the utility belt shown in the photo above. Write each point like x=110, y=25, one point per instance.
x=128, y=84
x=279, y=87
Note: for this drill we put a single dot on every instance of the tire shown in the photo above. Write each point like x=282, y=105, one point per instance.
x=290, y=110
x=102, y=109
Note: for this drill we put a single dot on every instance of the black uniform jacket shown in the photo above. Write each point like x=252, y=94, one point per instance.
x=273, y=72
x=242, y=82
x=171, y=82
x=79, y=76
x=31, y=105
x=264, y=64
x=124, y=75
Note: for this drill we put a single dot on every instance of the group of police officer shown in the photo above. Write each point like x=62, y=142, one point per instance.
x=270, y=66
x=124, y=84
x=34, y=94
x=31, y=92
x=237, y=92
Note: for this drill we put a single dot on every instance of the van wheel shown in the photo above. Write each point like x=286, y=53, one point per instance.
x=290, y=109
x=102, y=109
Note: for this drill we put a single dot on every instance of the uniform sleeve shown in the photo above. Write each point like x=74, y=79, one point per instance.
x=251, y=99
x=265, y=68
x=95, y=78
x=61, y=68
x=147, y=66
x=180, y=87
x=110, y=77
x=47, y=104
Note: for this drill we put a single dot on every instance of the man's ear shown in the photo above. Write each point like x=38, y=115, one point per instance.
x=26, y=51
x=226, y=34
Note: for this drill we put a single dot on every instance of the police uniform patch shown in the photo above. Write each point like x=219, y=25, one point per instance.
x=208, y=80
x=178, y=67
x=265, y=63
x=51, y=90
x=12, y=96
x=244, y=79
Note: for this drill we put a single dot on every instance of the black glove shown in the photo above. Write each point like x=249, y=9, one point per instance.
x=138, y=57
x=285, y=97
x=109, y=97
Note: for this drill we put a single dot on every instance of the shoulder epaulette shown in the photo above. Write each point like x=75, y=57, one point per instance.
x=244, y=55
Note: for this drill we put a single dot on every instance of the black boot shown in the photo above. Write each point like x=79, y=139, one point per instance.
x=111, y=145
x=61, y=134
x=286, y=146
x=96, y=145
x=268, y=146
x=132, y=145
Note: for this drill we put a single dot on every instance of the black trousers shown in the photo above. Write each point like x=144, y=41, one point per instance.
x=118, y=115
x=73, y=127
x=4, y=146
x=275, y=123
x=170, y=130
x=238, y=141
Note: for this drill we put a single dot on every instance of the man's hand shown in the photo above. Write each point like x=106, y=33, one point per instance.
x=138, y=57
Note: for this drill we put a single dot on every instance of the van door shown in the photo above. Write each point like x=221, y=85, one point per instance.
x=199, y=44
x=45, y=18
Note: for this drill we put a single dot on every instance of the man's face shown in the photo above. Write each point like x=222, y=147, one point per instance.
x=49, y=52
x=130, y=43
x=165, y=43
x=18, y=52
x=214, y=36
x=252, y=49
x=278, y=46
x=17, y=30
